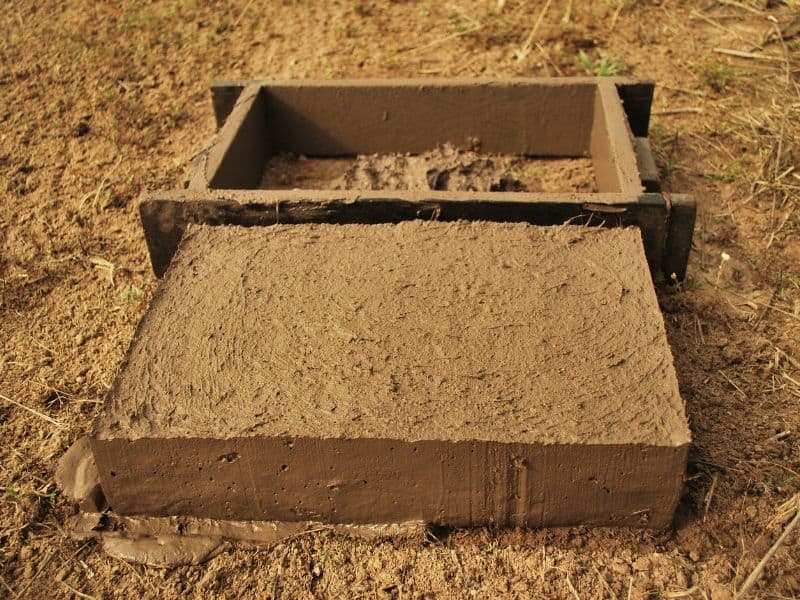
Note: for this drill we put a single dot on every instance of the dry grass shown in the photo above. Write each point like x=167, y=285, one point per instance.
x=102, y=101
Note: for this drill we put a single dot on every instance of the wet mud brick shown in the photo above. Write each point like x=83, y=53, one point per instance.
x=460, y=373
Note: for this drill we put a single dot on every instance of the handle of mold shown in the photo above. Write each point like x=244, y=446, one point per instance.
x=648, y=171
x=682, y=211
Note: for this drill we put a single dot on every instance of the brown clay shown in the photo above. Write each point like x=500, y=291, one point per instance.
x=459, y=373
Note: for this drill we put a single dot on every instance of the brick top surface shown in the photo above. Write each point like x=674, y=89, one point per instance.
x=412, y=331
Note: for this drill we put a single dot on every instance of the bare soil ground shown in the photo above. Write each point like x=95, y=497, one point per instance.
x=101, y=101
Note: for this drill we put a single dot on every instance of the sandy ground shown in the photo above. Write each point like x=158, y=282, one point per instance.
x=102, y=101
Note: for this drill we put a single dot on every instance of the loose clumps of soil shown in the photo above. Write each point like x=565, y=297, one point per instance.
x=444, y=168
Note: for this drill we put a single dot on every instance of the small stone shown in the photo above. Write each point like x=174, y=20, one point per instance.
x=732, y=354
x=62, y=574
x=80, y=339
x=694, y=556
x=81, y=129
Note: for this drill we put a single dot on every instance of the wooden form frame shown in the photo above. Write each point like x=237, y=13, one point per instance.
x=602, y=118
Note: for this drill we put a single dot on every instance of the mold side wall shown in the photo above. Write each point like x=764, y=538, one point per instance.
x=237, y=158
x=611, y=144
x=552, y=119
x=165, y=215
x=605, y=169
x=380, y=481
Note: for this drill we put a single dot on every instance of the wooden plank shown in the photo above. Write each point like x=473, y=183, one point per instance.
x=236, y=159
x=682, y=214
x=648, y=171
x=637, y=98
x=223, y=98
x=612, y=144
x=224, y=93
x=542, y=118
x=165, y=215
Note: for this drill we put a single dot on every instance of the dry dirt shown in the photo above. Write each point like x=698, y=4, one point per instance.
x=102, y=101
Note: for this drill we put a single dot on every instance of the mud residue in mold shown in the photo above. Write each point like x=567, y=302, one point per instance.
x=445, y=168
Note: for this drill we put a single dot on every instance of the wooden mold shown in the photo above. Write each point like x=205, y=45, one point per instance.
x=605, y=119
